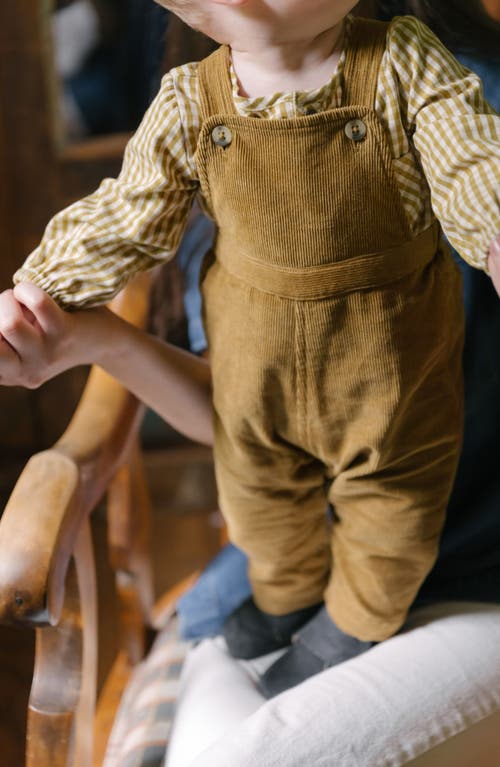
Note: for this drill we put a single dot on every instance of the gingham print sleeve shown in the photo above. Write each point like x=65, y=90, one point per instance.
x=455, y=132
x=131, y=223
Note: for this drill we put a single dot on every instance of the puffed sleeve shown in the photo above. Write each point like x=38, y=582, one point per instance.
x=90, y=249
x=456, y=134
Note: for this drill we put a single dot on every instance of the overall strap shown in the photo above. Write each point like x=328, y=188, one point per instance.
x=367, y=45
x=216, y=96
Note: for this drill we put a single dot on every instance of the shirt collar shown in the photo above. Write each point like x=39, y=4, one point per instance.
x=327, y=96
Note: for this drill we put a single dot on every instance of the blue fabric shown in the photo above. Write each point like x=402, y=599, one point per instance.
x=221, y=588
x=195, y=243
x=488, y=71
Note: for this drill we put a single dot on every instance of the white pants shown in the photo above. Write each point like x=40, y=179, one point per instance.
x=429, y=697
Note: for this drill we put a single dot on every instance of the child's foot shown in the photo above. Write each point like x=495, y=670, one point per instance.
x=318, y=646
x=250, y=632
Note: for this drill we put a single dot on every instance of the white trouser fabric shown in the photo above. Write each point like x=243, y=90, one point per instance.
x=430, y=694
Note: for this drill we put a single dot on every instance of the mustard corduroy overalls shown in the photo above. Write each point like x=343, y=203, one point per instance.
x=335, y=340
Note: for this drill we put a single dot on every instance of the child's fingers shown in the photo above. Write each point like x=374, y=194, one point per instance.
x=494, y=263
x=14, y=328
x=9, y=363
x=7, y=353
x=28, y=315
x=495, y=249
x=40, y=306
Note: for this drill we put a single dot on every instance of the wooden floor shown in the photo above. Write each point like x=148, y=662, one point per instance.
x=186, y=534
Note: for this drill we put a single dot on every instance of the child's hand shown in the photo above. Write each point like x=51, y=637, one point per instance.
x=494, y=263
x=37, y=338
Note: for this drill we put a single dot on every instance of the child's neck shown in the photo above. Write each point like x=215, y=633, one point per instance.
x=264, y=68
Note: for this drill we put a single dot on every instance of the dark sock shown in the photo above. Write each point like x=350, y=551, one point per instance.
x=319, y=645
x=250, y=632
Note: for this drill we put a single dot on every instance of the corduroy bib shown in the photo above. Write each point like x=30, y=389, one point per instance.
x=335, y=340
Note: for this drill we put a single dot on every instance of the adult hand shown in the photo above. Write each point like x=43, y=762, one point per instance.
x=38, y=339
x=494, y=263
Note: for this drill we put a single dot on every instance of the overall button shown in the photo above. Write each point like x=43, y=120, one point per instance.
x=355, y=130
x=222, y=136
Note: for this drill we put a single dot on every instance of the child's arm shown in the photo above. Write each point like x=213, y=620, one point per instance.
x=129, y=224
x=38, y=340
x=455, y=132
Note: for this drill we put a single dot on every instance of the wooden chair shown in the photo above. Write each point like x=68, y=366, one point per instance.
x=47, y=570
x=41, y=173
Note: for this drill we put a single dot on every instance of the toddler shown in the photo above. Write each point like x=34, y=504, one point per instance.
x=324, y=147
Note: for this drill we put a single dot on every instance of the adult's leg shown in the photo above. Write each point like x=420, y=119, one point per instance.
x=410, y=696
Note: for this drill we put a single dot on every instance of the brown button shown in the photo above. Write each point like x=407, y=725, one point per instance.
x=355, y=130
x=222, y=136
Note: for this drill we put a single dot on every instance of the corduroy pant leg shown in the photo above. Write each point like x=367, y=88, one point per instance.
x=400, y=450
x=276, y=511
x=272, y=493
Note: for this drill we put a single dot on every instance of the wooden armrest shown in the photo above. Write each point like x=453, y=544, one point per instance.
x=59, y=487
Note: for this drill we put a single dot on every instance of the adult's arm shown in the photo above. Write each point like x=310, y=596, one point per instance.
x=38, y=340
